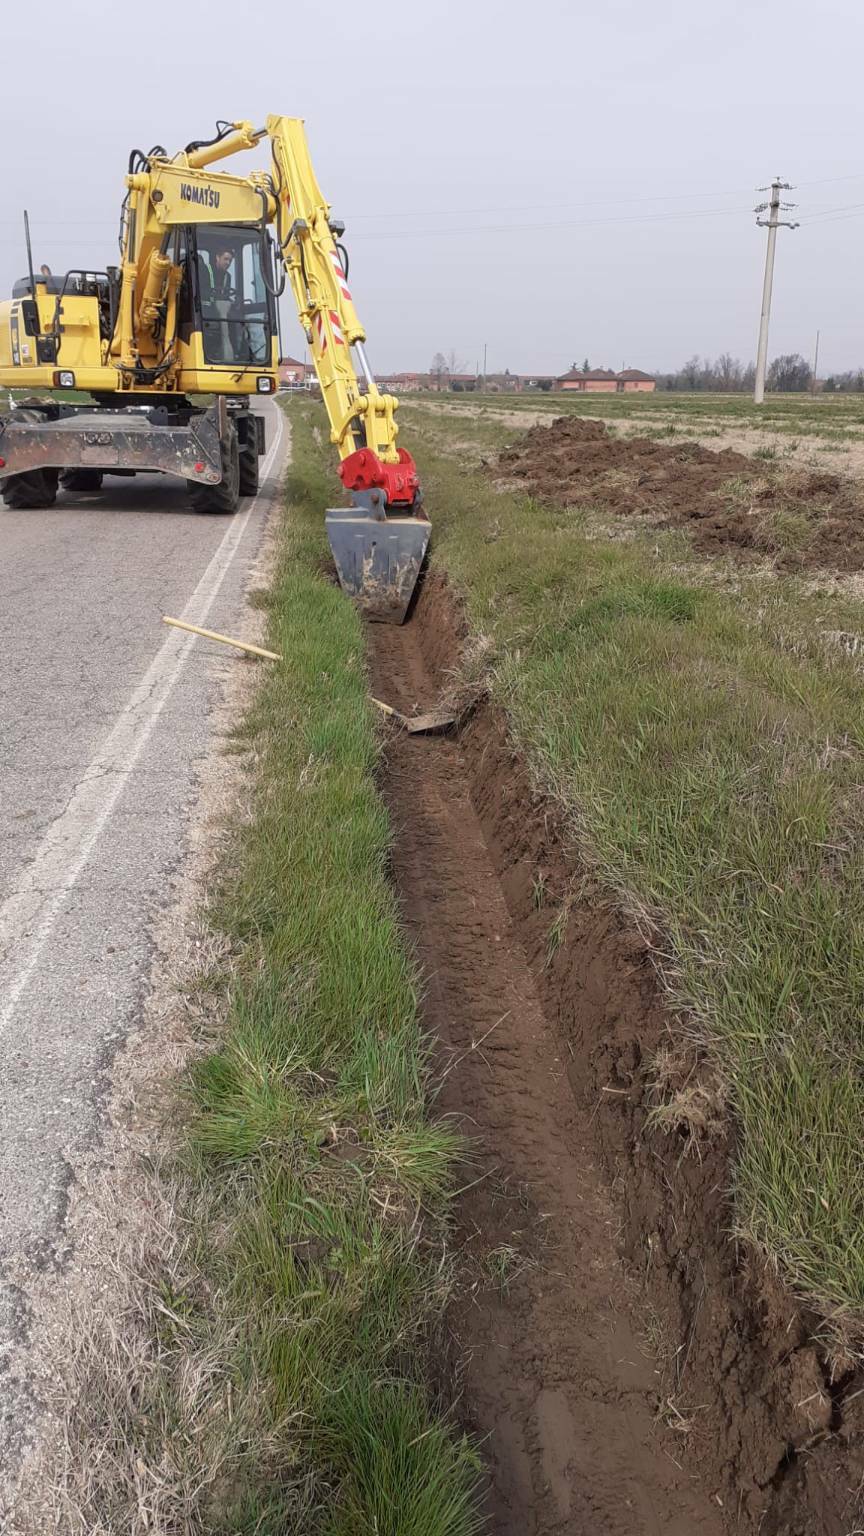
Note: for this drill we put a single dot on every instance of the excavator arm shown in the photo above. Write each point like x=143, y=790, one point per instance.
x=362, y=422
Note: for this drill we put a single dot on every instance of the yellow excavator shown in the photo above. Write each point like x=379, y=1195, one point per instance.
x=191, y=311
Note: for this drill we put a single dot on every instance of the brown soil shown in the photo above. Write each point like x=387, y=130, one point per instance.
x=628, y=1370
x=726, y=499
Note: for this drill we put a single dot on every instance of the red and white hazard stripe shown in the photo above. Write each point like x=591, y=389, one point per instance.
x=340, y=274
x=335, y=326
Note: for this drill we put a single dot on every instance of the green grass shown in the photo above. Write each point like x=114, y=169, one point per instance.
x=328, y=1248
x=705, y=732
x=827, y=419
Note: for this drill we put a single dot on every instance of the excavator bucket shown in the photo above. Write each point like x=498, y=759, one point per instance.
x=378, y=558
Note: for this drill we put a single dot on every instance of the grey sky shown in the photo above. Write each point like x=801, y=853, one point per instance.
x=540, y=176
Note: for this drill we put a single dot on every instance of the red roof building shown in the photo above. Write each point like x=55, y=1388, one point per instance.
x=595, y=381
x=602, y=381
x=292, y=371
x=634, y=381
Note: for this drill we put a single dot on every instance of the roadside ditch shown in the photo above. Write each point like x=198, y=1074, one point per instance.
x=627, y=1366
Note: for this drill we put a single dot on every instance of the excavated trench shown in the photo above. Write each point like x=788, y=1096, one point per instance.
x=626, y=1368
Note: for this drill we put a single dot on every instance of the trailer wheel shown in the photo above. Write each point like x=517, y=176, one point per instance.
x=249, y=463
x=81, y=479
x=31, y=491
x=224, y=497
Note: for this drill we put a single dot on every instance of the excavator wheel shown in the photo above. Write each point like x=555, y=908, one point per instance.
x=81, y=479
x=31, y=491
x=224, y=497
x=249, y=464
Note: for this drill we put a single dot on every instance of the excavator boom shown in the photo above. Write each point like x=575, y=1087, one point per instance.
x=379, y=542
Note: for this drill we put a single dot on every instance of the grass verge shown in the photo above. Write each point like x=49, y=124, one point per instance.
x=705, y=731
x=315, y=1106
x=273, y=1372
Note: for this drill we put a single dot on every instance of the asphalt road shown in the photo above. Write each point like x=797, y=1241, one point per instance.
x=104, y=717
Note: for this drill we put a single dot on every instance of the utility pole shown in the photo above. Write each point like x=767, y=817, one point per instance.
x=772, y=224
x=815, y=361
x=484, y=367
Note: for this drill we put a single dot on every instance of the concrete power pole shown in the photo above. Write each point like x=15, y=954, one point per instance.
x=772, y=224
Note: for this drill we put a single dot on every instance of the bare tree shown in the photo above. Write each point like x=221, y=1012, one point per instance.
x=691, y=373
x=727, y=370
x=790, y=372
x=439, y=369
x=852, y=381
x=455, y=364
x=727, y=374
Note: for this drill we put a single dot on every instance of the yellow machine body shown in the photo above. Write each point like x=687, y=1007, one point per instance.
x=172, y=201
x=191, y=310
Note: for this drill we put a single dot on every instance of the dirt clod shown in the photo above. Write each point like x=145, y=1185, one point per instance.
x=747, y=506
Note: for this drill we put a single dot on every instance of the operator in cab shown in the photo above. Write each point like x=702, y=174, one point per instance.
x=218, y=294
x=214, y=272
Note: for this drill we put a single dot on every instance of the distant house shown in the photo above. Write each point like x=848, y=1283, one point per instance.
x=573, y=379
x=602, y=381
x=292, y=372
x=460, y=381
x=502, y=383
x=400, y=383
x=446, y=380
x=595, y=381
x=632, y=380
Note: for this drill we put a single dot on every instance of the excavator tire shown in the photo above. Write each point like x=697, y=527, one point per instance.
x=31, y=491
x=249, y=464
x=36, y=488
x=81, y=479
x=224, y=497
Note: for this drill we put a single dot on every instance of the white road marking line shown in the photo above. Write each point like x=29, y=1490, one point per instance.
x=70, y=840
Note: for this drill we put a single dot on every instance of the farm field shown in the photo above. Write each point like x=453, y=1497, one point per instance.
x=633, y=884
x=816, y=430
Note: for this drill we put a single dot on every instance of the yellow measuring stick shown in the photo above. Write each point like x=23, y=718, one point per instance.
x=210, y=634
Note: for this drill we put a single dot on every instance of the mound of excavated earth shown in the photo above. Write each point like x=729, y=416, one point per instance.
x=729, y=502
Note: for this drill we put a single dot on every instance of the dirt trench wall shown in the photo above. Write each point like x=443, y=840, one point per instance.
x=764, y=1421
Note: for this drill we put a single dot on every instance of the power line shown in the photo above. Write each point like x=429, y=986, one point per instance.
x=504, y=229
x=822, y=215
x=514, y=206
x=829, y=213
x=656, y=197
x=440, y=230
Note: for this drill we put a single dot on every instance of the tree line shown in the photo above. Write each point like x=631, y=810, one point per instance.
x=786, y=374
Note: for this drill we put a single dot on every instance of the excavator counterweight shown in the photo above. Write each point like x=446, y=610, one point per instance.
x=192, y=311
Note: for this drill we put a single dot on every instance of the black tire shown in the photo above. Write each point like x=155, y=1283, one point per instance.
x=32, y=491
x=81, y=479
x=223, y=498
x=249, y=463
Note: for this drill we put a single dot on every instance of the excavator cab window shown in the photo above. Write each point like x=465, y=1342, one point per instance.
x=233, y=301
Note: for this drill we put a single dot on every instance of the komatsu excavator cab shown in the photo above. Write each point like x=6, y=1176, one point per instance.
x=234, y=307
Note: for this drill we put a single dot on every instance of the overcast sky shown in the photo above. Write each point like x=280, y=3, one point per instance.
x=554, y=178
